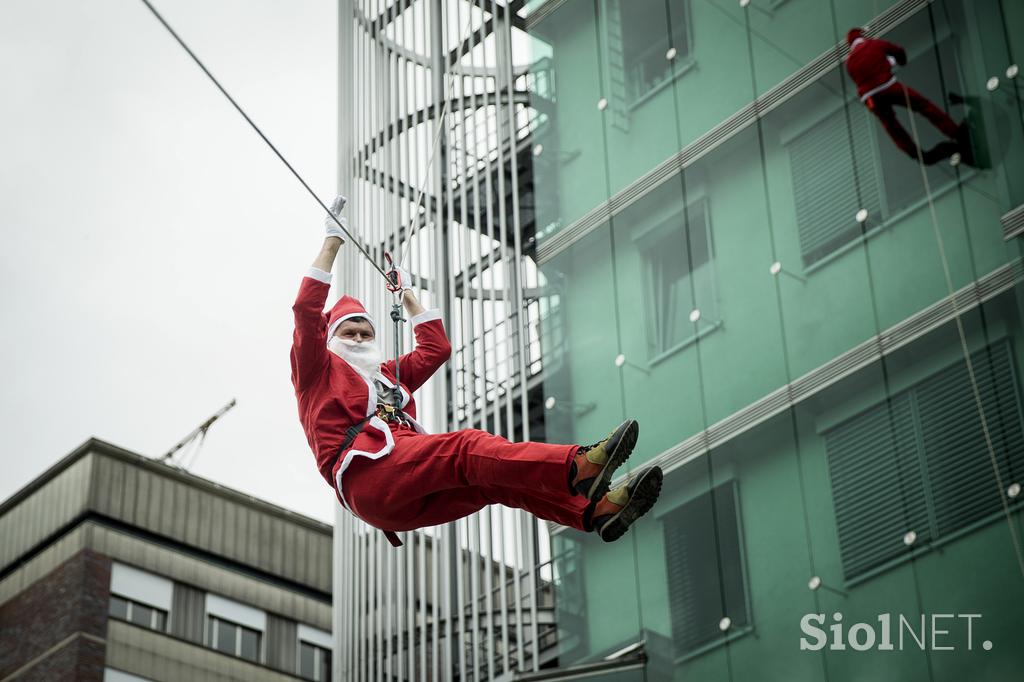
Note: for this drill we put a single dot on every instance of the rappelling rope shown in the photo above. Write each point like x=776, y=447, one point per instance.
x=963, y=338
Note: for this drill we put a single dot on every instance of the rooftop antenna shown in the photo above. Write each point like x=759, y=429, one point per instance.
x=199, y=432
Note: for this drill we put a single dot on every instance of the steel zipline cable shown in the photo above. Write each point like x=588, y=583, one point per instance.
x=259, y=132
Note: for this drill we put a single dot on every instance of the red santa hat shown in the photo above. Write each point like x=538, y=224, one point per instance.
x=853, y=34
x=345, y=309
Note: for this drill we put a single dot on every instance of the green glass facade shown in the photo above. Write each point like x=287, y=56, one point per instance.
x=820, y=337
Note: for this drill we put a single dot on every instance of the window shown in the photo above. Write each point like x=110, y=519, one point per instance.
x=139, y=597
x=704, y=562
x=919, y=462
x=314, y=662
x=638, y=34
x=137, y=613
x=677, y=261
x=841, y=165
x=233, y=639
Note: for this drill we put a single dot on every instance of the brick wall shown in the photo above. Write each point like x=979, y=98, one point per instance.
x=67, y=607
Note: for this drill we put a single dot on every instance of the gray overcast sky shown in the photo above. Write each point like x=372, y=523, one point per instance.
x=151, y=244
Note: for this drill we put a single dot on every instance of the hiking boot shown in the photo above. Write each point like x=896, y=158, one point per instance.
x=614, y=513
x=592, y=468
x=940, y=152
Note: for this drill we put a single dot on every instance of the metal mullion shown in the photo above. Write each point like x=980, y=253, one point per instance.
x=488, y=600
x=468, y=326
x=422, y=591
x=476, y=237
x=488, y=589
x=484, y=103
x=435, y=589
x=474, y=591
x=373, y=564
x=502, y=223
x=410, y=577
x=446, y=603
x=506, y=59
x=389, y=593
x=364, y=613
x=503, y=593
x=517, y=588
x=531, y=560
x=352, y=594
x=460, y=581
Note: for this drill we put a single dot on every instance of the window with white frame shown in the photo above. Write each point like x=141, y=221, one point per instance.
x=234, y=628
x=677, y=257
x=233, y=639
x=139, y=597
x=315, y=648
x=639, y=35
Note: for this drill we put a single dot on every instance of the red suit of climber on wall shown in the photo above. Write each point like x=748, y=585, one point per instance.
x=870, y=64
x=385, y=468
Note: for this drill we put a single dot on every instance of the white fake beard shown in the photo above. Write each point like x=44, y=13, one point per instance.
x=365, y=357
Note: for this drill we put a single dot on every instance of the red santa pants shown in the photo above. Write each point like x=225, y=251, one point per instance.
x=898, y=95
x=431, y=479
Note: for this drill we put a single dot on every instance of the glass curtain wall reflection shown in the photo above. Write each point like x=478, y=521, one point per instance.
x=682, y=211
x=819, y=334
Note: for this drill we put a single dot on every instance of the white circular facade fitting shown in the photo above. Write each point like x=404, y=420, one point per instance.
x=1012, y=70
x=549, y=404
x=862, y=215
x=671, y=54
x=725, y=624
x=776, y=268
x=992, y=83
x=602, y=104
x=620, y=360
x=1013, y=491
x=538, y=149
x=814, y=583
x=954, y=160
x=694, y=315
x=744, y=3
x=910, y=538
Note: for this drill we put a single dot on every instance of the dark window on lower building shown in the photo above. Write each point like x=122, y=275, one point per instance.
x=233, y=639
x=138, y=613
x=314, y=662
x=704, y=561
x=920, y=462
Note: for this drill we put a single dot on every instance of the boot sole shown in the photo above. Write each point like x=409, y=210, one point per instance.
x=645, y=494
x=621, y=445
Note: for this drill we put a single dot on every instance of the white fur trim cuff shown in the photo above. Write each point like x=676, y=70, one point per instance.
x=425, y=316
x=319, y=275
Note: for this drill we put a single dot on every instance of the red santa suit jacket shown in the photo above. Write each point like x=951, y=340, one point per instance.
x=870, y=64
x=333, y=395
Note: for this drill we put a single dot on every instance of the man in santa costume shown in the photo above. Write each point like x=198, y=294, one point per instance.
x=870, y=65
x=384, y=467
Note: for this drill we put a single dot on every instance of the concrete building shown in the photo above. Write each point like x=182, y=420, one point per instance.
x=116, y=567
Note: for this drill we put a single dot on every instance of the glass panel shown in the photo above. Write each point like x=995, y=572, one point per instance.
x=225, y=637
x=161, y=621
x=325, y=665
x=250, y=644
x=118, y=607
x=142, y=615
x=307, y=661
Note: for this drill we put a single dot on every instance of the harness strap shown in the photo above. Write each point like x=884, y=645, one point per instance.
x=350, y=437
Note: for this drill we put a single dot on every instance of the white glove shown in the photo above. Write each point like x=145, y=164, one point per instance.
x=402, y=275
x=331, y=226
